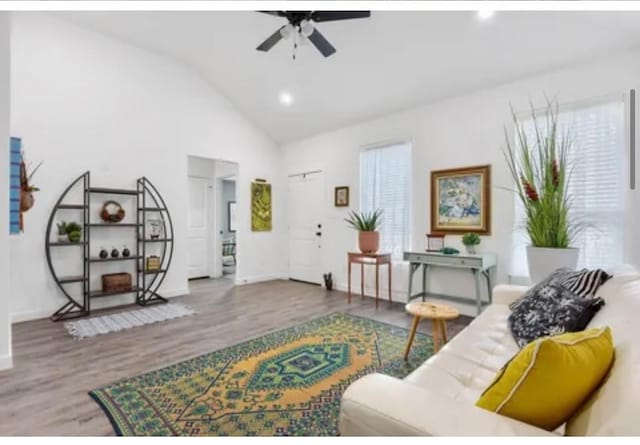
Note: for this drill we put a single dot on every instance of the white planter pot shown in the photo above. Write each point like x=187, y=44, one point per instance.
x=544, y=260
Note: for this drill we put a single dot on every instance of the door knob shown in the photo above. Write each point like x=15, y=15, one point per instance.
x=318, y=233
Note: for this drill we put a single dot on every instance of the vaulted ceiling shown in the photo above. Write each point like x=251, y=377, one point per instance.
x=390, y=62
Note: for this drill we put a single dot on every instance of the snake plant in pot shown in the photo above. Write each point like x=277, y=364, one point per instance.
x=538, y=162
x=366, y=223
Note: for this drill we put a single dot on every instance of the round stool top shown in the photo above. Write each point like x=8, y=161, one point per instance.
x=434, y=311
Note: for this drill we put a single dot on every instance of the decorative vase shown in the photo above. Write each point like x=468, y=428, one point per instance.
x=75, y=236
x=126, y=252
x=470, y=248
x=115, y=253
x=63, y=238
x=544, y=260
x=369, y=242
x=26, y=200
x=103, y=253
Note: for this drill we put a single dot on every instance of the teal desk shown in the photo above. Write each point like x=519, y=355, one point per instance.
x=479, y=265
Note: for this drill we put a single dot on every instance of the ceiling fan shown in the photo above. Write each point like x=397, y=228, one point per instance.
x=301, y=27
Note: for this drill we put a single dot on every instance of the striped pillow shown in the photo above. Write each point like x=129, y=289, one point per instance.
x=585, y=283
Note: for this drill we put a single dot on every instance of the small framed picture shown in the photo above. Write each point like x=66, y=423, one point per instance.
x=341, y=196
x=435, y=242
x=154, y=228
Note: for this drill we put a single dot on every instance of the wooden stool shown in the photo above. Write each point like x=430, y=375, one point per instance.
x=438, y=313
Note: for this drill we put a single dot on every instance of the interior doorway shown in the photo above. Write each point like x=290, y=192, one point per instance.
x=211, y=245
x=227, y=210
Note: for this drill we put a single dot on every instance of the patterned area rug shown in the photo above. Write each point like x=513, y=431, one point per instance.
x=286, y=383
x=90, y=327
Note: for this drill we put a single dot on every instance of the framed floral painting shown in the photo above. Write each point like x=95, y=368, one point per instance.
x=461, y=200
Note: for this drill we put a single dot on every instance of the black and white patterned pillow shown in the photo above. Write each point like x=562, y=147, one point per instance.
x=552, y=310
x=586, y=282
x=583, y=283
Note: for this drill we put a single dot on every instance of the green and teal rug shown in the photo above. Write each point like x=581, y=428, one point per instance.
x=286, y=383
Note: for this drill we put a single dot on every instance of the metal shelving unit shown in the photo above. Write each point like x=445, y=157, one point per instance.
x=146, y=282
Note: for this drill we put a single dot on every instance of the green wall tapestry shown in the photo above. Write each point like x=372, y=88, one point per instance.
x=260, y=207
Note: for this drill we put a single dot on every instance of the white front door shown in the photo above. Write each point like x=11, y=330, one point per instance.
x=306, y=205
x=199, y=227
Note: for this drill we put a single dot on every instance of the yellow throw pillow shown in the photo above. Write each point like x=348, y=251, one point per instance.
x=548, y=380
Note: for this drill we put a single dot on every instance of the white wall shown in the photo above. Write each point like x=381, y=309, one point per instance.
x=5, y=325
x=83, y=101
x=458, y=132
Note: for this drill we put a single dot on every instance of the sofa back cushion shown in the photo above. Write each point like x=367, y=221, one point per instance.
x=613, y=408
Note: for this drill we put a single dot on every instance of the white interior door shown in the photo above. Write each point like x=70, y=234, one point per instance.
x=306, y=204
x=199, y=227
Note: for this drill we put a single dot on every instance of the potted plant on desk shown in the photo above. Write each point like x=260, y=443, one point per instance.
x=366, y=223
x=470, y=241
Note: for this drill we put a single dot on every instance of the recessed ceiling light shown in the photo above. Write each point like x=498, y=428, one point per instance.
x=485, y=14
x=286, y=98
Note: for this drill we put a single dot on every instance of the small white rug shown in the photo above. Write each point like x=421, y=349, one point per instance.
x=91, y=327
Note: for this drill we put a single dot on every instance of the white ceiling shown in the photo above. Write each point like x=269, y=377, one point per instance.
x=390, y=62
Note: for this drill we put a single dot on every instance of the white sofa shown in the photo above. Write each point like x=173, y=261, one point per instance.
x=438, y=398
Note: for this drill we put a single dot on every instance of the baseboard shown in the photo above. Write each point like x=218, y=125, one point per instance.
x=259, y=279
x=19, y=317
x=397, y=295
x=6, y=362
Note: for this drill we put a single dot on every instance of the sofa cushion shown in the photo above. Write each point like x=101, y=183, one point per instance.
x=464, y=367
x=613, y=409
x=552, y=310
x=547, y=381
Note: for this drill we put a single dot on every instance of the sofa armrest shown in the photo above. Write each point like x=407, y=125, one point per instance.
x=507, y=293
x=380, y=405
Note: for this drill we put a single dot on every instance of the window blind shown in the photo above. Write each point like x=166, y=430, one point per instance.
x=596, y=183
x=385, y=183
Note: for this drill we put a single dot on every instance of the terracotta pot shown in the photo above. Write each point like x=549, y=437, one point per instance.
x=26, y=200
x=369, y=242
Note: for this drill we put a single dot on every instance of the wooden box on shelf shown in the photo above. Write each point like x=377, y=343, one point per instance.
x=116, y=282
x=153, y=262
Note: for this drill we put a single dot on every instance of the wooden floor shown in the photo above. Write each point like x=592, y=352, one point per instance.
x=46, y=391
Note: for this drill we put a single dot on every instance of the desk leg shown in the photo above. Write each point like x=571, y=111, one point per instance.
x=412, y=270
x=377, y=282
x=487, y=274
x=349, y=282
x=425, y=272
x=476, y=275
x=362, y=280
x=389, y=266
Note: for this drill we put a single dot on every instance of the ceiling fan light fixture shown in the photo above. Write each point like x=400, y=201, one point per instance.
x=307, y=28
x=287, y=31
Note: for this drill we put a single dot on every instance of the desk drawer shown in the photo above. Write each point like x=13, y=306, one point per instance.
x=444, y=260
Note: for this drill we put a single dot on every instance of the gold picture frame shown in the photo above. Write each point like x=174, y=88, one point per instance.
x=341, y=196
x=461, y=200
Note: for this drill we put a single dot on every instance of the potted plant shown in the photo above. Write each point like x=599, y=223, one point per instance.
x=27, y=171
x=74, y=231
x=538, y=163
x=366, y=224
x=470, y=241
x=62, y=232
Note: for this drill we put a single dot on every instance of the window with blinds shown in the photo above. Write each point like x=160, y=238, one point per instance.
x=385, y=183
x=597, y=160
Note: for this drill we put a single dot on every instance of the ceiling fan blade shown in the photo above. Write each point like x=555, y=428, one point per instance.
x=330, y=16
x=271, y=41
x=276, y=13
x=321, y=43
